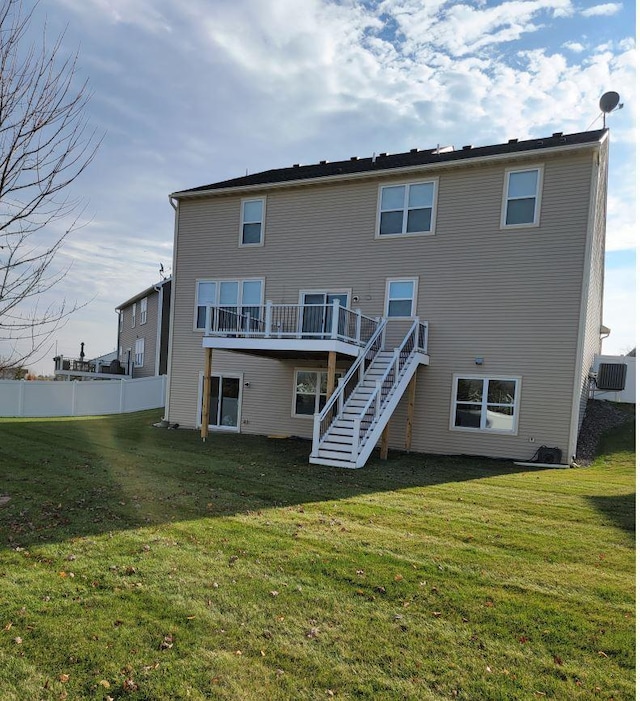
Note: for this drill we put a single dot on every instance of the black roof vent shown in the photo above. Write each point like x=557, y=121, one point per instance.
x=382, y=155
x=354, y=158
x=296, y=165
x=557, y=134
x=323, y=163
x=468, y=147
x=414, y=150
x=513, y=141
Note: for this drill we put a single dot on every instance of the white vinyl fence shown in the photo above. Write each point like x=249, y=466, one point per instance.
x=95, y=398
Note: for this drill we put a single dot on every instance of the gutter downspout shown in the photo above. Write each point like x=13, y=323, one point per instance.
x=167, y=399
x=160, y=290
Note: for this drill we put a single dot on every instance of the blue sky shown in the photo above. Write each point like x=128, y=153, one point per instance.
x=198, y=91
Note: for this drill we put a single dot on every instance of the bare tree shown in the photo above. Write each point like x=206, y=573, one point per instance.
x=44, y=146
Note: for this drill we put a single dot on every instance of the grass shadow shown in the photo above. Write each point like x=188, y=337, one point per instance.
x=619, y=509
x=76, y=478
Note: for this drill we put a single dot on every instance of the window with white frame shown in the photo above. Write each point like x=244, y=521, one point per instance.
x=488, y=404
x=252, y=223
x=407, y=209
x=401, y=297
x=310, y=391
x=238, y=303
x=522, y=197
x=133, y=315
x=120, y=320
x=143, y=310
x=138, y=360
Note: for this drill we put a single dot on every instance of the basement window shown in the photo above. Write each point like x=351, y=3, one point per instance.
x=487, y=404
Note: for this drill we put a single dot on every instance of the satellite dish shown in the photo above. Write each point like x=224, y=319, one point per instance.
x=609, y=101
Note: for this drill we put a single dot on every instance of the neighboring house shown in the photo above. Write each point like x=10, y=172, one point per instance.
x=104, y=367
x=143, y=331
x=289, y=281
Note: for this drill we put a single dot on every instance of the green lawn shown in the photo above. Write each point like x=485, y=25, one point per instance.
x=140, y=563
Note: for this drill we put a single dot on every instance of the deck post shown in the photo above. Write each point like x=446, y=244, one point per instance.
x=267, y=318
x=331, y=373
x=358, y=325
x=411, y=401
x=335, y=318
x=206, y=394
x=384, y=443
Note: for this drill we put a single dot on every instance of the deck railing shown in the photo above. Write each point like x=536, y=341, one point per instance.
x=65, y=364
x=301, y=321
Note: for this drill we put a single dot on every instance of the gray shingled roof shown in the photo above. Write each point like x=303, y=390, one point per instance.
x=383, y=161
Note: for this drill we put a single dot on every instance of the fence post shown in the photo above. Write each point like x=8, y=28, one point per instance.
x=21, y=398
x=74, y=385
x=122, y=396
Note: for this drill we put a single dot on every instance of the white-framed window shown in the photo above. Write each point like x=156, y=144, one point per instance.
x=401, y=297
x=521, y=198
x=133, y=315
x=407, y=209
x=252, y=222
x=120, y=320
x=310, y=391
x=236, y=299
x=138, y=359
x=143, y=310
x=485, y=403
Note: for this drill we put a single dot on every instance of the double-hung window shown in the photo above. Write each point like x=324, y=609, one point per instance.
x=401, y=297
x=143, y=310
x=252, y=222
x=522, y=190
x=310, y=391
x=133, y=315
x=407, y=209
x=237, y=304
x=488, y=404
x=139, y=356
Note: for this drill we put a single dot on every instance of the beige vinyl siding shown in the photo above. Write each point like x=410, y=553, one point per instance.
x=149, y=331
x=509, y=296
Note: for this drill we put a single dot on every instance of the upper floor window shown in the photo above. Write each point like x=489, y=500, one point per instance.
x=120, y=320
x=522, y=197
x=407, y=209
x=235, y=298
x=485, y=403
x=133, y=315
x=401, y=297
x=252, y=224
x=143, y=310
x=139, y=356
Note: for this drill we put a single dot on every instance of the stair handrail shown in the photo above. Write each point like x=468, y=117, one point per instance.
x=397, y=362
x=338, y=393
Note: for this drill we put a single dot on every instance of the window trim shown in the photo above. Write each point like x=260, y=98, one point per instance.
x=217, y=281
x=414, y=301
x=241, y=243
x=538, y=197
x=144, y=304
x=137, y=353
x=121, y=321
x=406, y=183
x=485, y=377
x=133, y=315
x=317, y=370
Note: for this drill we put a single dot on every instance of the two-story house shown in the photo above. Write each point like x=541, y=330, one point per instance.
x=143, y=331
x=443, y=300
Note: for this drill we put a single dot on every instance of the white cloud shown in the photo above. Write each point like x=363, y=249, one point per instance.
x=574, y=46
x=619, y=310
x=607, y=9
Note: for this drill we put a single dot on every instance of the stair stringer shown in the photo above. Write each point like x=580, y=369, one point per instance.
x=393, y=399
